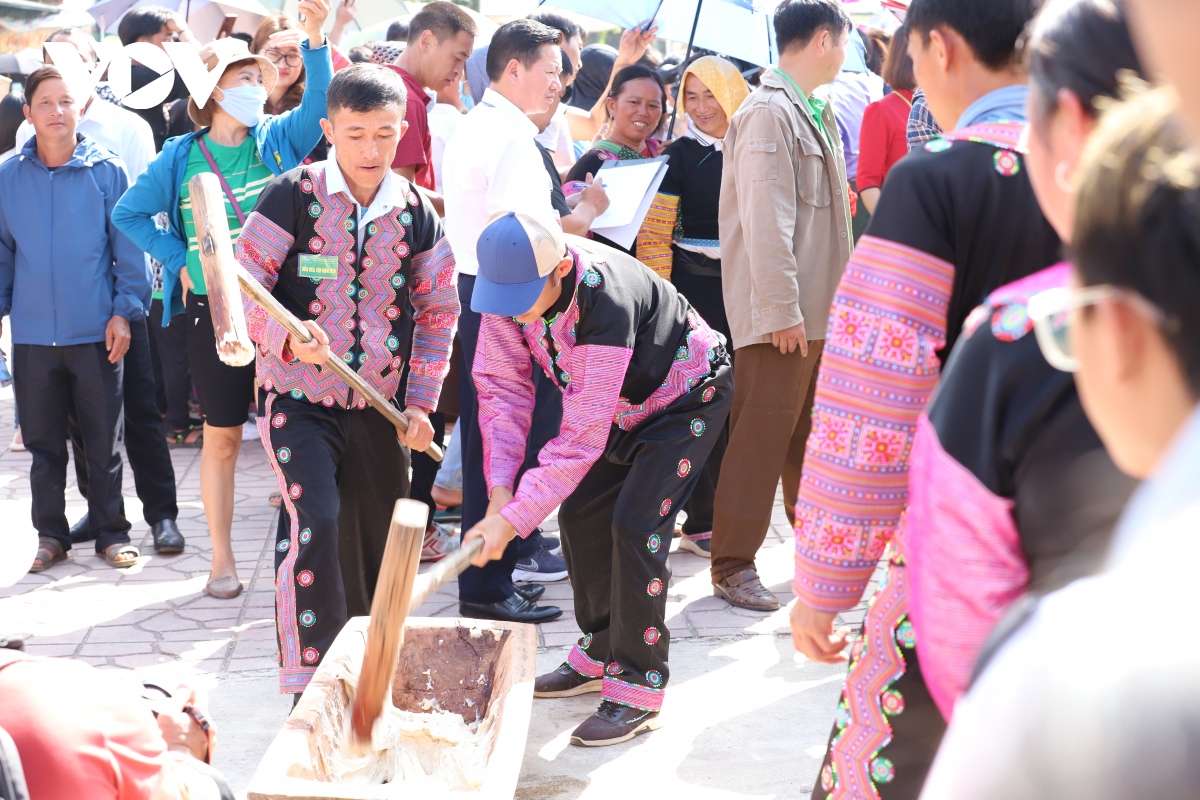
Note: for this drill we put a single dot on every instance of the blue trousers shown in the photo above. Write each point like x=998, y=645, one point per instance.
x=492, y=583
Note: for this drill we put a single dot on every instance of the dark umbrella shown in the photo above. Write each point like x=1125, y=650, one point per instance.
x=22, y=63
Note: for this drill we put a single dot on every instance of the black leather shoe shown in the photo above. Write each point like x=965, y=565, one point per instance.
x=530, y=591
x=614, y=724
x=565, y=682
x=167, y=538
x=81, y=531
x=514, y=609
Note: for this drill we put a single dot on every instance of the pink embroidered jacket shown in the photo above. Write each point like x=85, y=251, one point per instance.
x=957, y=221
x=302, y=242
x=622, y=346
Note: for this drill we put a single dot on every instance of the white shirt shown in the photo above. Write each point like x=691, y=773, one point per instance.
x=444, y=120
x=557, y=138
x=491, y=164
x=1099, y=690
x=390, y=195
x=116, y=129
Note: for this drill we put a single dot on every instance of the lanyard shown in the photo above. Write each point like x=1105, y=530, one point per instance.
x=237, y=209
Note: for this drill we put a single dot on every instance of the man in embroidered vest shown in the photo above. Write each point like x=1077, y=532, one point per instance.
x=956, y=220
x=646, y=385
x=346, y=245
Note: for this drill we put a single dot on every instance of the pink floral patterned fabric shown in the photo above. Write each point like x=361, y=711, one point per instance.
x=879, y=368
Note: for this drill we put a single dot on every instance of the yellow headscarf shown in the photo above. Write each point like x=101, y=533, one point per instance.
x=722, y=79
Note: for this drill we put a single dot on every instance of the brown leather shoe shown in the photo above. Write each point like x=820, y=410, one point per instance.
x=613, y=724
x=745, y=590
x=565, y=682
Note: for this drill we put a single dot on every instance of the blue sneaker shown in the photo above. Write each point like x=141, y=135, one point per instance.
x=541, y=567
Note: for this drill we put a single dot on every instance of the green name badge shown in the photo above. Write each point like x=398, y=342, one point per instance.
x=318, y=268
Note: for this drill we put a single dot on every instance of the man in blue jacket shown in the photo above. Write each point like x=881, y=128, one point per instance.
x=71, y=283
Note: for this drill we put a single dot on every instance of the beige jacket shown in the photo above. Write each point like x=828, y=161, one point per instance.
x=785, y=215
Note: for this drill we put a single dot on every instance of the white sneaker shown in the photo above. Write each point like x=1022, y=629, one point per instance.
x=440, y=541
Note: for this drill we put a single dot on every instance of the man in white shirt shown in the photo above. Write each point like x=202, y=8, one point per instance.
x=492, y=164
x=113, y=127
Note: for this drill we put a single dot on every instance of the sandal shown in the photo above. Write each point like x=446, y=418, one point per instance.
x=275, y=499
x=117, y=555
x=191, y=436
x=50, y=551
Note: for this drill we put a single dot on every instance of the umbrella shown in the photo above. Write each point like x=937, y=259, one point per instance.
x=204, y=17
x=23, y=62
x=377, y=31
x=742, y=29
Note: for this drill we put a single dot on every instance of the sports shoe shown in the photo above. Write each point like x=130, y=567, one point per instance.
x=698, y=543
x=565, y=682
x=613, y=724
x=541, y=567
x=439, y=542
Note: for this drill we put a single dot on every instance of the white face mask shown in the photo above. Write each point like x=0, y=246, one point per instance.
x=245, y=104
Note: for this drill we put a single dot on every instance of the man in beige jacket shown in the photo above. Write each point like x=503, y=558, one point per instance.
x=785, y=241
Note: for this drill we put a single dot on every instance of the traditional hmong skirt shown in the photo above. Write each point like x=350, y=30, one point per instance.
x=887, y=729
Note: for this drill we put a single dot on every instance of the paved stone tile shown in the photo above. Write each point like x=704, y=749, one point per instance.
x=155, y=618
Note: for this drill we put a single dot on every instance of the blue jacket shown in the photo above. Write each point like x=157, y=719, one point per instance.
x=65, y=269
x=283, y=142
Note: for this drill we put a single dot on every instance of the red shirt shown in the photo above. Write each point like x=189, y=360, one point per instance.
x=416, y=146
x=81, y=734
x=883, y=139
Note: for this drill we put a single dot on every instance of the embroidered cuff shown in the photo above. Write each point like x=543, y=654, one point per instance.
x=632, y=695
x=293, y=681
x=276, y=341
x=522, y=517
x=830, y=587
x=584, y=665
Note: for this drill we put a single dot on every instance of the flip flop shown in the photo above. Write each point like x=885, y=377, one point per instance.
x=53, y=553
x=114, y=552
x=190, y=437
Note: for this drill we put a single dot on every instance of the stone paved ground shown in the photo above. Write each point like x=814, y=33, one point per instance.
x=154, y=618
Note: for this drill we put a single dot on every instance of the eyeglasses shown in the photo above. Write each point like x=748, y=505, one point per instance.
x=1053, y=313
x=274, y=56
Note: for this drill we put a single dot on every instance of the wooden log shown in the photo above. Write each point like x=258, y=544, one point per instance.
x=223, y=276
x=216, y=258
x=398, y=589
x=389, y=609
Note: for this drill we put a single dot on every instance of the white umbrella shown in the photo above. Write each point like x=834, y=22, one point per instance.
x=204, y=17
x=373, y=29
x=739, y=28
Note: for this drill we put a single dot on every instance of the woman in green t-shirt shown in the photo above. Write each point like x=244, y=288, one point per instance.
x=246, y=149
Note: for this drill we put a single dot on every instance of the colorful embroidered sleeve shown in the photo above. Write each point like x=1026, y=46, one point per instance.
x=878, y=371
x=503, y=375
x=589, y=401
x=434, y=298
x=658, y=231
x=261, y=248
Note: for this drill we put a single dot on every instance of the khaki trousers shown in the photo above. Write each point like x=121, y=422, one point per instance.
x=768, y=431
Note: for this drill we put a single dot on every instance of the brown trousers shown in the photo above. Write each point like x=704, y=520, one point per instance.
x=768, y=431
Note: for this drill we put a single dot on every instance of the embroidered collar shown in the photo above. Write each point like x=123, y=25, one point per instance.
x=627, y=153
x=1005, y=135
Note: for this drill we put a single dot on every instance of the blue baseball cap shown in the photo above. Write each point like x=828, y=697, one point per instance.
x=516, y=255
